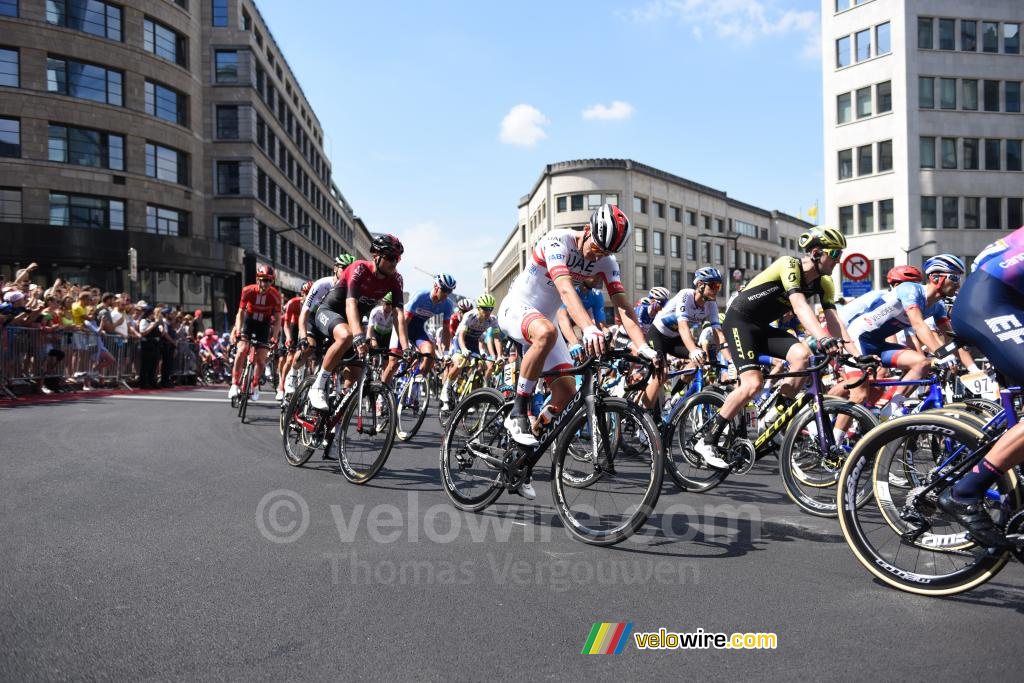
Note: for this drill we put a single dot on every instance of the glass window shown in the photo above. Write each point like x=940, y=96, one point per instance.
x=950, y=212
x=227, y=178
x=990, y=36
x=79, y=211
x=843, y=4
x=164, y=221
x=969, y=94
x=246, y=21
x=865, y=218
x=8, y=8
x=691, y=218
x=991, y=95
x=220, y=12
x=885, y=156
x=576, y=202
x=691, y=249
x=846, y=220
x=705, y=252
x=993, y=162
x=229, y=230
x=639, y=205
x=720, y=254
x=659, y=209
x=676, y=280
x=863, y=102
x=864, y=160
x=166, y=103
x=926, y=92
x=166, y=163
x=947, y=34
x=886, y=220
x=91, y=16
x=863, y=45
x=658, y=277
x=968, y=35
x=612, y=199
x=972, y=213
x=84, y=147
x=561, y=203
x=674, y=246
x=658, y=244
x=10, y=138
x=883, y=96
x=640, y=240
x=226, y=66
x=925, y=33
x=948, y=153
x=9, y=67
x=593, y=201
x=972, y=159
x=10, y=202
x=883, y=42
x=677, y=214
x=844, y=108
x=227, y=127
x=843, y=56
x=1013, y=155
x=947, y=93
x=1011, y=39
x=88, y=81
x=164, y=42
x=993, y=213
x=641, y=277
x=1011, y=96
x=929, y=220
x=927, y=152
x=1014, y=207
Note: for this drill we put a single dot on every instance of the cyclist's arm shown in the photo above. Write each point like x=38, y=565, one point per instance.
x=837, y=329
x=805, y=314
x=355, y=321
x=402, y=325
x=723, y=348
x=630, y=323
x=446, y=334
x=461, y=332
x=237, y=329
x=565, y=326
x=924, y=334
x=482, y=346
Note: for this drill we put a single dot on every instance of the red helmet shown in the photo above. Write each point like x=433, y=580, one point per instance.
x=904, y=274
x=265, y=271
x=306, y=286
x=387, y=244
x=610, y=228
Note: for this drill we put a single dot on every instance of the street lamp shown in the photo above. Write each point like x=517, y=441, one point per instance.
x=908, y=252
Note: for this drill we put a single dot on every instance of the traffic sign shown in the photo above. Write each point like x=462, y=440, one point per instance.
x=857, y=267
x=851, y=290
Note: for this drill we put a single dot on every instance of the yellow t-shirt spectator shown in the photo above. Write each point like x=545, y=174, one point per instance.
x=79, y=313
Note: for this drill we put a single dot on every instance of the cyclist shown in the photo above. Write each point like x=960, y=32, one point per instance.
x=593, y=302
x=339, y=317
x=423, y=306
x=648, y=307
x=494, y=342
x=210, y=347
x=988, y=314
x=670, y=333
x=382, y=322
x=310, y=336
x=785, y=285
x=292, y=309
x=469, y=340
x=559, y=258
x=464, y=306
x=259, y=314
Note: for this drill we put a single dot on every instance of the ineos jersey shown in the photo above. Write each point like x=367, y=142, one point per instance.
x=362, y=282
x=683, y=308
x=475, y=326
x=555, y=255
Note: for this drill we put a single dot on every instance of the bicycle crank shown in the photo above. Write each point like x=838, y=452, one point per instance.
x=742, y=455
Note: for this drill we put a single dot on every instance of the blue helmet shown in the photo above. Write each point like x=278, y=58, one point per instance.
x=445, y=281
x=945, y=263
x=707, y=274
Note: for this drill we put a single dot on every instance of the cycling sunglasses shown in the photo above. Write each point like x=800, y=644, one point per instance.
x=833, y=254
x=487, y=308
x=952, y=277
x=713, y=285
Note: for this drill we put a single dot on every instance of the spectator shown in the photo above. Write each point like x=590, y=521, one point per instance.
x=149, y=330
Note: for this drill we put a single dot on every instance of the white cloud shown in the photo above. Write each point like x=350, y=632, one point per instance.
x=523, y=125
x=744, y=21
x=437, y=250
x=616, y=112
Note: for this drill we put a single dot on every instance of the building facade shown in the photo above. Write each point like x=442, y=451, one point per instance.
x=923, y=125
x=680, y=225
x=174, y=128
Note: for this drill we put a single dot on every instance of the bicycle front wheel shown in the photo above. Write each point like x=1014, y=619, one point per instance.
x=365, y=434
x=685, y=465
x=244, y=391
x=412, y=407
x=628, y=471
x=473, y=444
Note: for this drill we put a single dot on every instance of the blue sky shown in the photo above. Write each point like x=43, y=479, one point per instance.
x=413, y=95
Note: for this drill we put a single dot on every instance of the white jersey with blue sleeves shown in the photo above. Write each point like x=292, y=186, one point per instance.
x=884, y=313
x=683, y=307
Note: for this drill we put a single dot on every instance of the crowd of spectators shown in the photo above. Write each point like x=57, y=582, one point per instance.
x=64, y=336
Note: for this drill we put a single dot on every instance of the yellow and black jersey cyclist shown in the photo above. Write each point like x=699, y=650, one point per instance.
x=786, y=285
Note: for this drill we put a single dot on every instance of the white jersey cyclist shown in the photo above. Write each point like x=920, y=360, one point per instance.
x=381, y=322
x=474, y=326
x=533, y=294
x=318, y=292
x=682, y=309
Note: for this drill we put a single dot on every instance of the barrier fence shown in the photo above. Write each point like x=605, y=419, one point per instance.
x=55, y=360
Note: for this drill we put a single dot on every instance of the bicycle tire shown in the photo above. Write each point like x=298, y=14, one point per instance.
x=854, y=520
x=244, y=391
x=372, y=392
x=299, y=453
x=487, y=419
x=680, y=460
x=420, y=415
x=636, y=515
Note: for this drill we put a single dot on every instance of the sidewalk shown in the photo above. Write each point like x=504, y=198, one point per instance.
x=59, y=397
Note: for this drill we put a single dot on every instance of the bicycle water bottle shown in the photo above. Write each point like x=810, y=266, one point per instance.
x=538, y=403
x=751, y=412
x=545, y=418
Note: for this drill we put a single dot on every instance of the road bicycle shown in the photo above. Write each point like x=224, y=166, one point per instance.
x=412, y=396
x=241, y=401
x=590, y=471
x=470, y=379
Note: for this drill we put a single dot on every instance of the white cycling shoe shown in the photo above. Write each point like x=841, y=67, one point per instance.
x=318, y=398
x=255, y=395
x=233, y=391
x=527, y=491
x=519, y=429
x=711, y=457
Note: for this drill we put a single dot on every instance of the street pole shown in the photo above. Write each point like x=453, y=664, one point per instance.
x=908, y=252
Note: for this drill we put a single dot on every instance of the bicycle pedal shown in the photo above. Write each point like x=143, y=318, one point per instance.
x=743, y=455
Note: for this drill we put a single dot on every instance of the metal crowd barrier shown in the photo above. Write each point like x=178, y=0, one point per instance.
x=31, y=359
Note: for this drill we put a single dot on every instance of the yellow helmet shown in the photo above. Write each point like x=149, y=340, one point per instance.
x=485, y=301
x=826, y=238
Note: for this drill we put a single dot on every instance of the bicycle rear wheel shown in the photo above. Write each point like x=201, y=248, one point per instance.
x=475, y=430
x=300, y=434
x=629, y=473
x=685, y=465
x=412, y=407
x=365, y=434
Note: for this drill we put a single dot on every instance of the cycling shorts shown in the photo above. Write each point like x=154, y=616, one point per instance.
x=998, y=332
x=667, y=346
x=327, y=320
x=887, y=351
x=514, y=318
x=416, y=329
x=381, y=339
x=749, y=339
x=472, y=342
x=261, y=328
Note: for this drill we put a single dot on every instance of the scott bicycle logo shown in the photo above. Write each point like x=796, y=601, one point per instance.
x=1007, y=327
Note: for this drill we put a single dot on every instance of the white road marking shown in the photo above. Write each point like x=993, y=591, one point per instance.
x=188, y=400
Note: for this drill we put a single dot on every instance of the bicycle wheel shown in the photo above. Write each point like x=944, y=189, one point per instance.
x=809, y=475
x=618, y=503
x=902, y=537
x=365, y=434
x=302, y=426
x=582, y=447
x=685, y=465
x=244, y=391
x=475, y=432
x=412, y=407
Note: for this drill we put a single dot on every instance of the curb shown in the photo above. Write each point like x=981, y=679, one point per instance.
x=38, y=399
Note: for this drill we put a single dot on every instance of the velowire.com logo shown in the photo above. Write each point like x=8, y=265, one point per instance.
x=607, y=639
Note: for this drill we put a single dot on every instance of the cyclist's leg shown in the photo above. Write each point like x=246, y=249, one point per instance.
x=333, y=326
x=665, y=346
x=241, y=353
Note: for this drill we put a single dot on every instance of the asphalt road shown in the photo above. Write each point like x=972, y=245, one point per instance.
x=156, y=537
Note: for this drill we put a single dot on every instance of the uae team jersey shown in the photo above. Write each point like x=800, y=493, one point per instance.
x=555, y=255
x=683, y=308
x=1004, y=260
x=883, y=313
x=257, y=306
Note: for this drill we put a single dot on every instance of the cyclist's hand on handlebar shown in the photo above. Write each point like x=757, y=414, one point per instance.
x=829, y=345
x=697, y=356
x=576, y=353
x=359, y=344
x=593, y=340
x=946, y=361
x=409, y=354
x=868, y=359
